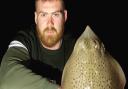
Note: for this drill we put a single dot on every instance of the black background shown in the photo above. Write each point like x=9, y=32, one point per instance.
x=108, y=19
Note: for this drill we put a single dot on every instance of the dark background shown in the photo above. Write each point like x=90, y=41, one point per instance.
x=108, y=19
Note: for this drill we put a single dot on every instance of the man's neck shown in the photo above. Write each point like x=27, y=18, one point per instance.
x=55, y=47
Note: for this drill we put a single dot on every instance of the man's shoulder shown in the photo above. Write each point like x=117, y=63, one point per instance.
x=69, y=41
x=26, y=30
x=26, y=35
x=69, y=38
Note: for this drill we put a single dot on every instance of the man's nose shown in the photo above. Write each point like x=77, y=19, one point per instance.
x=50, y=20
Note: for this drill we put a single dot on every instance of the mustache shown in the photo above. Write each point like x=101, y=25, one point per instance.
x=50, y=29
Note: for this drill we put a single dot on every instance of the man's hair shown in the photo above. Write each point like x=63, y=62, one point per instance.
x=62, y=2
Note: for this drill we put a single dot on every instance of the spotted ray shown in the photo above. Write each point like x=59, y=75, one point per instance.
x=91, y=66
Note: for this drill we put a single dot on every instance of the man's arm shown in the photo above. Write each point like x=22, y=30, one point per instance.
x=14, y=75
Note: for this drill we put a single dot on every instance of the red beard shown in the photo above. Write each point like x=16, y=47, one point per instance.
x=49, y=37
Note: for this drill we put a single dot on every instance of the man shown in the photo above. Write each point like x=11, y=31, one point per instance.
x=37, y=55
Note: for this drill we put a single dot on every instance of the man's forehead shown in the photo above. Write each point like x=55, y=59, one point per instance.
x=48, y=1
x=49, y=6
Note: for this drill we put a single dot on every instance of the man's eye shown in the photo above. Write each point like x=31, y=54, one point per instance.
x=43, y=14
x=57, y=14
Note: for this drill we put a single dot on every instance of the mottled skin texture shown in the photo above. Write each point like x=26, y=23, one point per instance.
x=90, y=66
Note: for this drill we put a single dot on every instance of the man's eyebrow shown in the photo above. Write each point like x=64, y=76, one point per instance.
x=58, y=11
x=42, y=12
x=61, y=11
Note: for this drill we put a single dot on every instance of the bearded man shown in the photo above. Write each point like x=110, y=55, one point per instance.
x=35, y=58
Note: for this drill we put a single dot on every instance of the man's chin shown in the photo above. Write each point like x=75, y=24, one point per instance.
x=49, y=44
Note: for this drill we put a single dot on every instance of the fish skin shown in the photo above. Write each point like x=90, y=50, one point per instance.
x=90, y=66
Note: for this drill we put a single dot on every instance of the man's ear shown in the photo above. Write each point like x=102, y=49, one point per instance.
x=35, y=17
x=65, y=15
